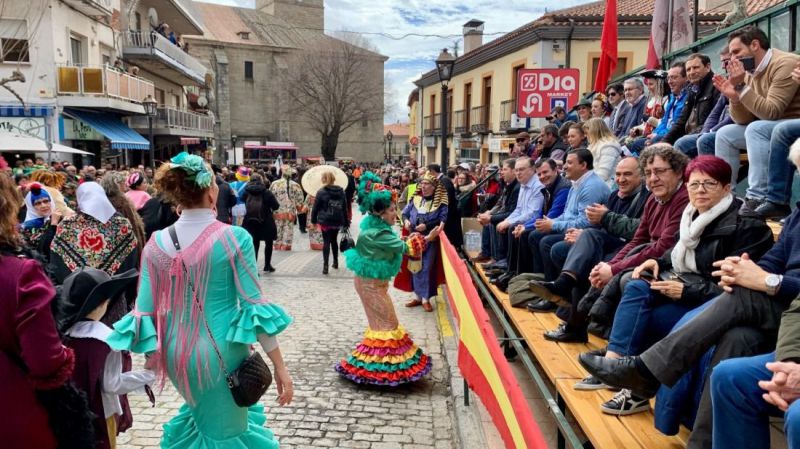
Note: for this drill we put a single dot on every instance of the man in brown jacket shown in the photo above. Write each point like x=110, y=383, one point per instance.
x=762, y=94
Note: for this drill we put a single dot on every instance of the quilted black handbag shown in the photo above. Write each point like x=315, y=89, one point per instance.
x=347, y=241
x=252, y=378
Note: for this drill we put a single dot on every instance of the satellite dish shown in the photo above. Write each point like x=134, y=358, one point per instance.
x=152, y=16
x=202, y=101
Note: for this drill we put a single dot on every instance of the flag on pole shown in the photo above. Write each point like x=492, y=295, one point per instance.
x=608, y=48
x=666, y=11
x=278, y=164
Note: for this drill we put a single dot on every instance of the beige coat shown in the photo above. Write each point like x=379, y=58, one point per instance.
x=772, y=94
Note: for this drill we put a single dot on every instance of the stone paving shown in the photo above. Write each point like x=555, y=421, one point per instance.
x=328, y=411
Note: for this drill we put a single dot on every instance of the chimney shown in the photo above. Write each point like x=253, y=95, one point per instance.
x=473, y=35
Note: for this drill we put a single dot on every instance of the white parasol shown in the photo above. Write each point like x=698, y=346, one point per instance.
x=312, y=179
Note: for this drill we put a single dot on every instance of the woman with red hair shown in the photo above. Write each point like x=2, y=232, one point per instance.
x=663, y=290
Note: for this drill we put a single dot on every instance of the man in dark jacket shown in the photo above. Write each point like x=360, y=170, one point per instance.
x=452, y=227
x=225, y=200
x=552, y=145
x=493, y=244
x=702, y=98
x=583, y=249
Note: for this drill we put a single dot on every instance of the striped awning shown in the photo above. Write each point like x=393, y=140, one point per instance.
x=111, y=126
x=28, y=111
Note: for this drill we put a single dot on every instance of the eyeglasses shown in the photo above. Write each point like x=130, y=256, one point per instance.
x=658, y=172
x=43, y=201
x=708, y=185
x=612, y=94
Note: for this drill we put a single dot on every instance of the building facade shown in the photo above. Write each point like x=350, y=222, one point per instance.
x=248, y=52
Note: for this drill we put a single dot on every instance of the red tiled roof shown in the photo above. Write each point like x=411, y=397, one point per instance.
x=753, y=6
x=397, y=129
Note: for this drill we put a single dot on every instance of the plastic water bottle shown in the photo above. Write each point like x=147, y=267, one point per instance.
x=472, y=241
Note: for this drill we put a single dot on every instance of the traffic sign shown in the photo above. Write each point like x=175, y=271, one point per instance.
x=540, y=90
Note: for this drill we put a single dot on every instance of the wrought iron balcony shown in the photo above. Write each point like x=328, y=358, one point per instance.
x=506, y=109
x=480, y=119
x=173, y=121
x=460, y=125
x=161, y=56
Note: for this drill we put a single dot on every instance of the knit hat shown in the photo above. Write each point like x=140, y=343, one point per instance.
x=37, y=192
x=243, y=174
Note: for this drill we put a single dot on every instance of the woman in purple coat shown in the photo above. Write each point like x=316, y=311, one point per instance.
x=31, y=354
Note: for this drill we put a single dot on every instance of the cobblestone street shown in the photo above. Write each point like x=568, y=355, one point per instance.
x=328, y=411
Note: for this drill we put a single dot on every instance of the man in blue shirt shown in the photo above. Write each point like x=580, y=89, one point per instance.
x=676, y=78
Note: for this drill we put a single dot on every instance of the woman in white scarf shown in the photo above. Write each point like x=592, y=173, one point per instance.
x=662, y=291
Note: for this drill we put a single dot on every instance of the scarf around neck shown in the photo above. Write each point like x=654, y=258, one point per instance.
x=683, y=255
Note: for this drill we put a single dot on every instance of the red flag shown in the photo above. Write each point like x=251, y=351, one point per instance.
x=608, y=46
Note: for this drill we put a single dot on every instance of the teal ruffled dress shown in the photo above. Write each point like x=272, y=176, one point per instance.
x=236, y=315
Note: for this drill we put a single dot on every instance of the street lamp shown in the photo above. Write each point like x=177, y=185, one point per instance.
x=389, y=137
x=444, y=65
x=233, y=147
x=150, y=108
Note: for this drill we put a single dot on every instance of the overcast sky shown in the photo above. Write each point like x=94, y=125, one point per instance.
x=411, y=56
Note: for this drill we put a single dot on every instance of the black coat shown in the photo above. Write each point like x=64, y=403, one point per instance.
x=728, y=235
x=258, y=220
x=507, y=203
x=452, y=227
x=225, y=200
x=330, y=207
x=697, y=109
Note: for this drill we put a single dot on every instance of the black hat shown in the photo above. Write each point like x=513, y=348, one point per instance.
x=84, y=290
x=657, y=74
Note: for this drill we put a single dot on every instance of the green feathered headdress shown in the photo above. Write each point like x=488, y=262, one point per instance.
x=370, y=189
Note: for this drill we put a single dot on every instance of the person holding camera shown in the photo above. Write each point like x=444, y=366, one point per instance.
x=762, y=94
x=557, y=116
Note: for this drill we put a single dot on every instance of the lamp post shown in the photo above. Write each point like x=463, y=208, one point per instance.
x=444, y=65
x=233, y=147
x=150, y=108
x=389, y=137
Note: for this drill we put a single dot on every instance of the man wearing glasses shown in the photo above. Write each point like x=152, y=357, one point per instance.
x=614, y=94
x=523, y=147
x=703, y=142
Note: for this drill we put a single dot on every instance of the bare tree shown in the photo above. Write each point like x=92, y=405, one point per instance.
x=335, y=84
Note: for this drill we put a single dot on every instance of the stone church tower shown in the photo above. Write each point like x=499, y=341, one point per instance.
x=308, y=14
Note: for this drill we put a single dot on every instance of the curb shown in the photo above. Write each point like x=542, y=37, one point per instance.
x=467, y=427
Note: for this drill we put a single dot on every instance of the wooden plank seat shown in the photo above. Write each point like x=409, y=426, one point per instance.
x=559, y=362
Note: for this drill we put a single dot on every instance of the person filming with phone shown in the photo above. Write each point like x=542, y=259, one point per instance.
x=762, y=94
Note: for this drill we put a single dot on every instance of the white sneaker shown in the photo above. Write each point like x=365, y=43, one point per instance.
x=625, y=403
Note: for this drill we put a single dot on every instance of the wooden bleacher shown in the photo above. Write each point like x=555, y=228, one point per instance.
x=559, y=362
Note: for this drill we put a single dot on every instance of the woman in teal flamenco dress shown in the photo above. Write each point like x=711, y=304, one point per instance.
x=386, y=354
x=168, y=323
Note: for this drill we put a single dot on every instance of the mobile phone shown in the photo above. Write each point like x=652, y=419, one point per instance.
x=749, y=63
x=647, y=276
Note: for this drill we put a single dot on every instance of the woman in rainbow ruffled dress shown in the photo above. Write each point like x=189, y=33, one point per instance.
x=182, y=312
x=386, y=355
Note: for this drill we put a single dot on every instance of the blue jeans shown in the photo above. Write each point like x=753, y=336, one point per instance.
x=705, y=143
x=541, y=244
x=642, y=318
x=728, y=143
x=741, y=416
x=781, y=171
x=758, y=136
x=688, y=144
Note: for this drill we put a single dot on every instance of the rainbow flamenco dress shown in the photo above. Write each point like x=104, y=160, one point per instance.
x=386, y=355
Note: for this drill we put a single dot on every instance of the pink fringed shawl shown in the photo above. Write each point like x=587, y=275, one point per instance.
x=172, y=297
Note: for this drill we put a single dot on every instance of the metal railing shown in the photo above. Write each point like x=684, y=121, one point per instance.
x=460, y=121
x=102, y=81
x=427, y=125
x=169, y=117
x=155, y=41
x=506, y=109
x=481, y=119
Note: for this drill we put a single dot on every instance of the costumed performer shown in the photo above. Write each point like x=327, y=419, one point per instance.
x=290, y=198
x=41, y=220
x=386, y=355
x=185, y=315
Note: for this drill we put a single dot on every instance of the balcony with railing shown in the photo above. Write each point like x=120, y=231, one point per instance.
x=460, y=122
x=91, y=7
x=101, y=87
x=159, y=55
x=506, y=109
x=172, y=121
x=480, y=119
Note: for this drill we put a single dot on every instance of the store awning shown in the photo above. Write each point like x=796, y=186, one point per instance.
x=190, y=141
x=15, y=142
x=110, y=125
x=29, y=111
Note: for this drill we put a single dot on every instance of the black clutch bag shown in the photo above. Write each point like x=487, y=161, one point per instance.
x=252, y=378
x=347, y=241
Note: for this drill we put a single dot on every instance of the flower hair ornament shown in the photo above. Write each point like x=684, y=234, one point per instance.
x=416, y=244
x=194, y=166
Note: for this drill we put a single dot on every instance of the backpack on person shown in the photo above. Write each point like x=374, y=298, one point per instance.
x=254, y=206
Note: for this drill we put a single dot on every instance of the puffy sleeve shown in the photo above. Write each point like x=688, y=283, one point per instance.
x=255, y=315
x=136, y=331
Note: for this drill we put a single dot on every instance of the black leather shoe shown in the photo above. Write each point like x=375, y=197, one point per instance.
x=335, y=265
x=505, y=277
x=325, y=269
x=770, y=210
x=620, y=373
x=749, y=206
x=494, y=272
x=565, y=335
x=502, y=281
x=541, y=306
x=548, y=291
